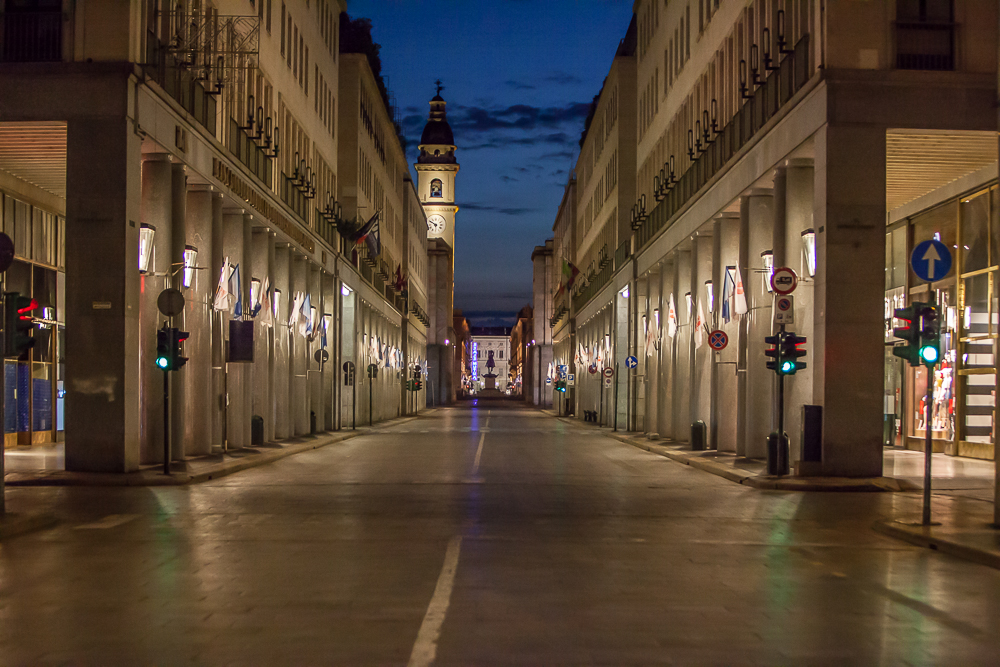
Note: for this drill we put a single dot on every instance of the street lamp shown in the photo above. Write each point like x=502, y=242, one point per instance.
x=710, y=293
x=190, y=257
x=277, y=302
x=689, y=301
x=345, y=290
x=767, y=257
x=809, y=247
x=146, y=233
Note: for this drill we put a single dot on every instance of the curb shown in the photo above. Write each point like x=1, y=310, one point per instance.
x=766, y=482
x=13, y=525
x=255, y=457
x=923, y=536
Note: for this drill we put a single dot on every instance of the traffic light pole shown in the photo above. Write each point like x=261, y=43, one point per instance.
x=928, y=447
x=166, y=422
x=3, y=415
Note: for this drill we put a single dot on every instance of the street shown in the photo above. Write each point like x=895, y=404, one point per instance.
x=479, y=535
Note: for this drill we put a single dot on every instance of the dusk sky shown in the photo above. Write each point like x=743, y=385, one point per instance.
x=518, y=77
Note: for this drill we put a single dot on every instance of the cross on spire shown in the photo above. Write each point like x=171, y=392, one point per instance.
x=439, y=86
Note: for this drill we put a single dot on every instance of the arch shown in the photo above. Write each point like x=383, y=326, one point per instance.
x=437, y=188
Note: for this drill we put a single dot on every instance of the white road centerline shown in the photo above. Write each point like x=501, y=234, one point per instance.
x=425, y=649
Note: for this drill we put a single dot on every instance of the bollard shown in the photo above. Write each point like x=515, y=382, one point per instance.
x=699, y=436
x=256, y=431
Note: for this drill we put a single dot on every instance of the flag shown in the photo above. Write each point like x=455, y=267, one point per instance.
x=305, y=312
x=699, y=331
x=570, y=272
x=326, y=327
x=728, y=289
x=369, y=234
x=671, y=317
x=265, y=303
x=400, y=283
x=651, y=336
x=222, y=291
x=235, y=292
x=296, y=313
x=741, y=295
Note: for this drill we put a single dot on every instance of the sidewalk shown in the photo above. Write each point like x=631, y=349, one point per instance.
x=191, y=471
x=961, y=502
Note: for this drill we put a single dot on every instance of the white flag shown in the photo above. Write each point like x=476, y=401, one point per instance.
x=741, y=294
x=293, y=319
x=265, y=303
x=699, y=331
x=651, y=335
x=222, y=291
x=671, y=317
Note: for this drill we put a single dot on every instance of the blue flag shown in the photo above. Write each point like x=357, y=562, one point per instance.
x=728, y=290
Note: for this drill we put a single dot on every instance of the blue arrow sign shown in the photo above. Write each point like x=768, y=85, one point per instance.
x=931, y=260
x=631, y=362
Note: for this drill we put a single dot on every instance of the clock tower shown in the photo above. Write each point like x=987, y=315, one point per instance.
x=436, y=169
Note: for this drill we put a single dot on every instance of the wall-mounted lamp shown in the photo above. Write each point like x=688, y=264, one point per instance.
x=809, y=248
x=345, y=290
x=277, y=302
x=254, y=296
x=146, y=233
x=190, y=257
x=607, y=342
x=624, y=292
x=447, y=342
x=656, y=318
x=689, y=301
x=767, y=258
x=710, y=295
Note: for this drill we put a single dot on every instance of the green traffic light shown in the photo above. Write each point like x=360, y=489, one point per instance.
x=162, y=362
x=929, y=354
x=787, y=367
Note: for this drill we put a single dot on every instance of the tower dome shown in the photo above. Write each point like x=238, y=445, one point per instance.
x=437, y=143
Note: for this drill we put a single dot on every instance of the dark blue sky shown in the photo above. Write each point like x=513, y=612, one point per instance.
x=518, y=77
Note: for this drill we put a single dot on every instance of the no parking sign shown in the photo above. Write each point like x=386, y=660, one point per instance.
x=718, y=340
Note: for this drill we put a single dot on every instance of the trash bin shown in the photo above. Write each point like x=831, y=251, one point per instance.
x=699, y=436
x=256, y=431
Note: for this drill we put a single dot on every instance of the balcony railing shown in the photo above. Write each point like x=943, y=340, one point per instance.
x=772, y=94
x=180, y=82
x=925, y=45
x=247, y=151
x=31, y=37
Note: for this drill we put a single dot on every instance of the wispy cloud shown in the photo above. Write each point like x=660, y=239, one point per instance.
x=496, y=209
x=519, y=85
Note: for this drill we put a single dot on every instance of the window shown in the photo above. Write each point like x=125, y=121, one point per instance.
x=282, y=29
x=268, y=17
x=437, y=188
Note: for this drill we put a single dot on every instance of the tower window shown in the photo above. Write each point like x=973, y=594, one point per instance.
x=436, y=188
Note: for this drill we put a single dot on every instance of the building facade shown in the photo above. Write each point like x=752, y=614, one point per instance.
x=829, y=138
x=201, y=146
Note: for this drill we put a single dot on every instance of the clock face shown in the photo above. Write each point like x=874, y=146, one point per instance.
x=435, y=224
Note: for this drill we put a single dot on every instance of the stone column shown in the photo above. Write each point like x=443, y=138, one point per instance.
x=178, y=383
x=261, y=385
x=102, y=295
x=701, y=367
x=665, y=397
x=197, y=373
x=270, y=419
x=220, y=330
x=314, y=376
x=725, y=413
x=849, y=214
x=683, y=345
x=280, y=380
x=248, y=369
x=235, y=417
x=155, y=211
x=759, y=207
x=299, y=352
x=652, y=356
x=329, y=373
x=798, y=217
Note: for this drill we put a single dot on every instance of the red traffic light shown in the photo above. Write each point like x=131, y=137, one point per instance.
x=32, y=304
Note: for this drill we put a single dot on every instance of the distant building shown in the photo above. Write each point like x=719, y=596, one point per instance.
x=520, y=341
x=463, y=353
x=491, y=358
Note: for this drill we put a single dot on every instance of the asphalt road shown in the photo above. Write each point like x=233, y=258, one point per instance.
x=481, y=535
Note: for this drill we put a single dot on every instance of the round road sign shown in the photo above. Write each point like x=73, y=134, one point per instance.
x=718, y=340
x=783, y=280
x=931, y=260
x=6, y=252
x=631, y=362
x=170, y=302
x=592, y=369
x=783, y=303
x=609, y=372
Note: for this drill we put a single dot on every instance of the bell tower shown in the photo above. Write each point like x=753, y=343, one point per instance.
x=436, y=169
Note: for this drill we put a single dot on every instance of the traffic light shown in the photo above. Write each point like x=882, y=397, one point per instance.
x=18, y=323
x=790, y=351
x=561, y=386
x=163, y=346
x=930, y=336
x=909, y=332
x=774, y=352
x=177, y=337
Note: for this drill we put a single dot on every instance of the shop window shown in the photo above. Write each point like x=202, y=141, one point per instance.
x=43, y=237
x=896, y=260
x=21, y=229
x=975, y=247
x=940, y=223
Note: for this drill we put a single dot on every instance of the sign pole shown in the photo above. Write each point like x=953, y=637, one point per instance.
x=3, y=415
x=928, y=446
x=166, y=422
x=371, y=382
x=616, y=397
x=600, y=422
x=354, y=406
